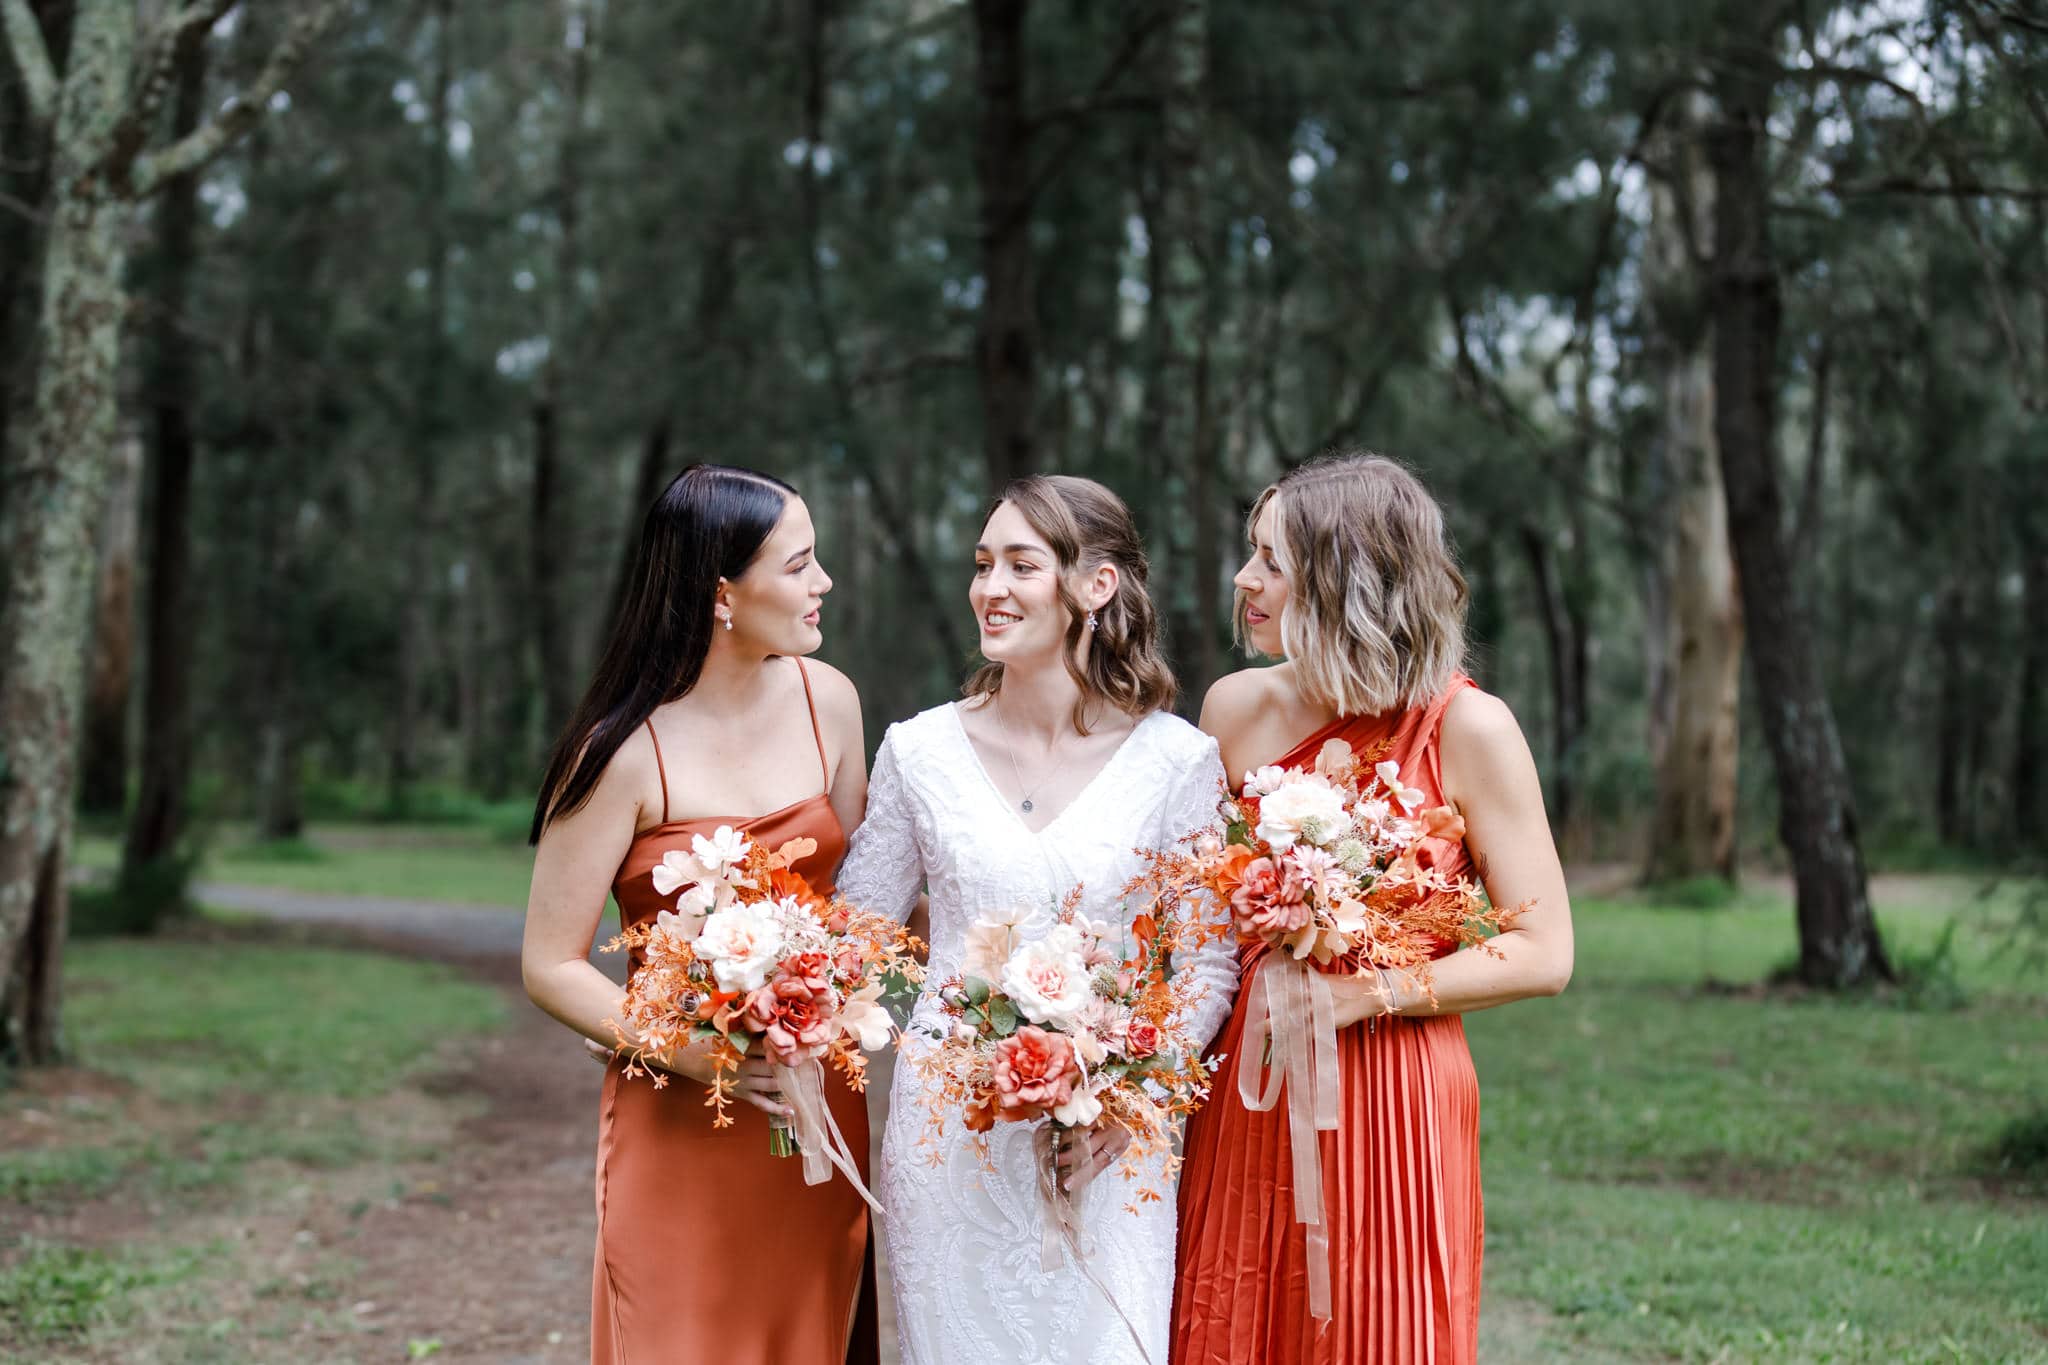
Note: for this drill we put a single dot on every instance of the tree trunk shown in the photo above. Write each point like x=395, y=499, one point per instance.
x=545, y=535
x=1564, y=636
x=1693, y=615
x=52, y=508
x=549, y=531
x=429, y=422
x=2030, y=739
x=1007, y=340
x=1839, y=944
x=110, y=676
x=158, y=824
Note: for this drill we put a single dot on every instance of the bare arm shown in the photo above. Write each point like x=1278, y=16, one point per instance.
x=1491, y=778
x=572, y=874
x=839, y=713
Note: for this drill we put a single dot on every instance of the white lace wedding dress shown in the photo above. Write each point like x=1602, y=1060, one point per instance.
x=963, y=1242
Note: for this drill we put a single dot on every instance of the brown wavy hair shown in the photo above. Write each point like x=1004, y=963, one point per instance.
x=1375, y=616
x=1088, y=526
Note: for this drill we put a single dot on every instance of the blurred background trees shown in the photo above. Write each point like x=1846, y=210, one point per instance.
x=1721, y=329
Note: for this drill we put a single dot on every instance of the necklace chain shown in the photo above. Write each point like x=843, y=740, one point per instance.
x=1011, y=750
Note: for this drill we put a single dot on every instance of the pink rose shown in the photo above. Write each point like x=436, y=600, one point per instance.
x=1268, y=903
x=1141, y=1039
x=794, y=1015
x=1035, y=1071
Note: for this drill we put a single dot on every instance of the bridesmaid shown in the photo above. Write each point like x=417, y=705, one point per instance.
x=1351, y=580
x=703, y=714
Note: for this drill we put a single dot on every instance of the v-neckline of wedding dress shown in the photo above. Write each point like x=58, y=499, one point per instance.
x=1087, y=788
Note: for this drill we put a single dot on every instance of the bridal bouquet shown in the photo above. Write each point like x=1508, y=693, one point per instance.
x=1333, y=863
x=752, y=954
x=1081, y=1026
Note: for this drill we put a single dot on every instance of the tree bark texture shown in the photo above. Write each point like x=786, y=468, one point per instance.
x=158, y=823
x=1839, y=944
x=1696, y=727
x=110, y=673
x=55, y=482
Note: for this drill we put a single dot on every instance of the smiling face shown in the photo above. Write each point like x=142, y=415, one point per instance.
x=1015, y=592
x=776, y=604
x=1261, y=586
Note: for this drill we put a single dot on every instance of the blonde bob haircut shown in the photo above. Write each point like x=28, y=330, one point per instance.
x=1088, y=526
x=1375, y=615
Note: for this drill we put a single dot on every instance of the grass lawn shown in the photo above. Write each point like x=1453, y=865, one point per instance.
x=1677, y=1167
x=483, y=865
x=212, y=1077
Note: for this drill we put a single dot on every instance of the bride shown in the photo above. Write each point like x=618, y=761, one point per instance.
x=1061, y=761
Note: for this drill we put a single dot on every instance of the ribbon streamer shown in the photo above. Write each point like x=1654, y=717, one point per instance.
x=817, y=1132
x=1063, y=1229
x=1292, y=1026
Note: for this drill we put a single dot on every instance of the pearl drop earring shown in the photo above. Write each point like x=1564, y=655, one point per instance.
x=728, y=621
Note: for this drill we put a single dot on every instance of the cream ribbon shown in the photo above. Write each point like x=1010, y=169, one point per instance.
x=817, y=1132
x=1063, y=1229
x=1291, y=1026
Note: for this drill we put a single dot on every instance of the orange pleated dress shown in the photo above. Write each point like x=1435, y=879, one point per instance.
x=709, y=1248
x=1400, y=1173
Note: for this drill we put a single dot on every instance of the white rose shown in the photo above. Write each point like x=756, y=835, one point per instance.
x=742, y=943
x=1049, y=980
x=1283, y=813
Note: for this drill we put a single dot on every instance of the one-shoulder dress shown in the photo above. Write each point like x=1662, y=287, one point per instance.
x=1400, y=1174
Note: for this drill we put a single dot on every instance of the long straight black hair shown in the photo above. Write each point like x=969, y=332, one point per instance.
x=708, y=524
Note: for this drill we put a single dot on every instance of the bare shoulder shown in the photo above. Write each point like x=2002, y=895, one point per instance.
x=629, y=780
x=1476, y=717
x=1235, y=698
x=836, y=695
x=1482, y=741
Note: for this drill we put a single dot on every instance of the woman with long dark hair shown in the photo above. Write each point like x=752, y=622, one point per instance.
x=703, y=713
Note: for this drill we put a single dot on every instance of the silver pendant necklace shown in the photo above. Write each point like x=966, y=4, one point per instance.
x=1011, y=749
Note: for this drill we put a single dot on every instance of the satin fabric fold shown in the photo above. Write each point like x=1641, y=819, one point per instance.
x=669, y=1186
x=1400, y=1205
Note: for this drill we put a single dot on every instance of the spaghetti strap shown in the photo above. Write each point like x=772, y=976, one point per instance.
x=660, y=768
x=817, y=735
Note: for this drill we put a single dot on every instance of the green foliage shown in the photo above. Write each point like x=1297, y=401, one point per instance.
x=437, y=862
x=2020, y=1152
x=139, y=900
x=52, y=1293
x=272, y=1020
x=1695, y=893
x=1682, y=1170
x=1931, y=977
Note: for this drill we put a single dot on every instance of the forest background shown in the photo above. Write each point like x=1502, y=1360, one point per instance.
x=343, y=344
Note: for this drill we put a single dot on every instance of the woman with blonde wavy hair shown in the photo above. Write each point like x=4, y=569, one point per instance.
x=1060, y=761
x=1351, y=581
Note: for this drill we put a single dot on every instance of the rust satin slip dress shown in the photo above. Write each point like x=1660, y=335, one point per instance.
x=1400, y=1174
x=708, y=1247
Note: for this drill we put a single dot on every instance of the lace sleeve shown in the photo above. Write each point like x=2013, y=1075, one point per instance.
x=884, y=867
x=1211, y=970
